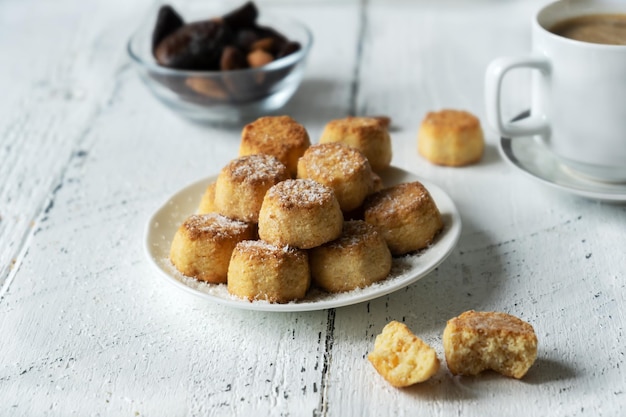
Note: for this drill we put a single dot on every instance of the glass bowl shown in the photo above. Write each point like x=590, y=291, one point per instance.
x=223, y=96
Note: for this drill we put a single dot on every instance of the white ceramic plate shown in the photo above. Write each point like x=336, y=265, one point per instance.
x=406, y=270
x=534, y=159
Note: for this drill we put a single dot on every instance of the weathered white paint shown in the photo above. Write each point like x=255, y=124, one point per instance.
x=86, y=155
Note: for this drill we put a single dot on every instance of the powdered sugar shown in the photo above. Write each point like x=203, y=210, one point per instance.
x=397, y=198
x=300, y=192
x=256, y=167
x=355, y=232
x=215, y=224
x=401, y=269
x=261, y=244
x=323, y=160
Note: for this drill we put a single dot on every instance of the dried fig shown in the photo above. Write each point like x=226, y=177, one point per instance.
x=267, y=44
x=168, y=21
x=287, y=49
x=259, y=57
x=242, y=17
x=195, y=46
x=232, y=59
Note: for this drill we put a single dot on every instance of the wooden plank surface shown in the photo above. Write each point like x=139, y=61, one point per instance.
x=86, y=155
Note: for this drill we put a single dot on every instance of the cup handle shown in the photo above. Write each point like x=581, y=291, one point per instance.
x=497, y=69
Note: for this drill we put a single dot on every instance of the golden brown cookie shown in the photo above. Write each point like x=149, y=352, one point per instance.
x=301, y=213
x=203, y=244
x=406, y=215
x=377, y=183
x=344, y=169
x=242, y=184
x=280, y=136
x=476, y=341
x=207, y=203
x=402, y=358
x=451, y=137
x=367, y=134
x=357, y=259
x=358, y=213
x=262, y=271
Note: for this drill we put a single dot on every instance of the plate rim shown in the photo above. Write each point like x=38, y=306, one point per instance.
x=451, y=235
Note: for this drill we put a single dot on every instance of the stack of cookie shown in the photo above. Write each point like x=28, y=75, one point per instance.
x=285, y=214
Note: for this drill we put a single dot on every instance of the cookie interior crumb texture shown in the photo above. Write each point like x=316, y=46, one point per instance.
x=402, y=358
x=477, y=341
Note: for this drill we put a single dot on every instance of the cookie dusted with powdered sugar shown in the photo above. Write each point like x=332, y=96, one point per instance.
x=279, y=136
x=261, y=271
x=357, y=259
x=241, y=185
x=301, y=213
x=406, y=215
x=344, y=169
x=203, y=244
x=367, y=134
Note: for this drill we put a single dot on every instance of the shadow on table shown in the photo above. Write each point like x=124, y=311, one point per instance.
x=470, y=278
x=445, y=385
x=491, y=155
x=549, y=370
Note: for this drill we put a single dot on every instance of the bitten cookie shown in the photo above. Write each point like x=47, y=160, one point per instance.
x=402, y=358
x=451, y=137
x=367, y=134
x=203, y=244
x=406, y=215
x=357, y=259
x=476, y=341
x=279, y=136
x=262, y=271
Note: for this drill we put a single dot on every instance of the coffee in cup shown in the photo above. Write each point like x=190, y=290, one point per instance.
x=578, y=95
x=608, y=29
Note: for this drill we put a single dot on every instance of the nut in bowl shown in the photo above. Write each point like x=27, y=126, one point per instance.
x=212, y=65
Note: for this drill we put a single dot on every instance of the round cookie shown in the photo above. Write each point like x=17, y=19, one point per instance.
x=261, y=271
x=242, y=184
x=344, y=169
x=203, y=244
x=301, y=213
x=207, y=203
x=357, y=213
x=359, y=258
x=280, y=136
x=406, y=215
x=367, y=134
x=451, y=138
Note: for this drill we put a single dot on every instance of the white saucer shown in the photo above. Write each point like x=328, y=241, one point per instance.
x=534, y=159
x=163, y=224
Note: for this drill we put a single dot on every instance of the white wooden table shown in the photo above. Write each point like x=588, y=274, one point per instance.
x=86, y=155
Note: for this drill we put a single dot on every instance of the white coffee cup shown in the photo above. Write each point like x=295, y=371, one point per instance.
x=578, y=104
